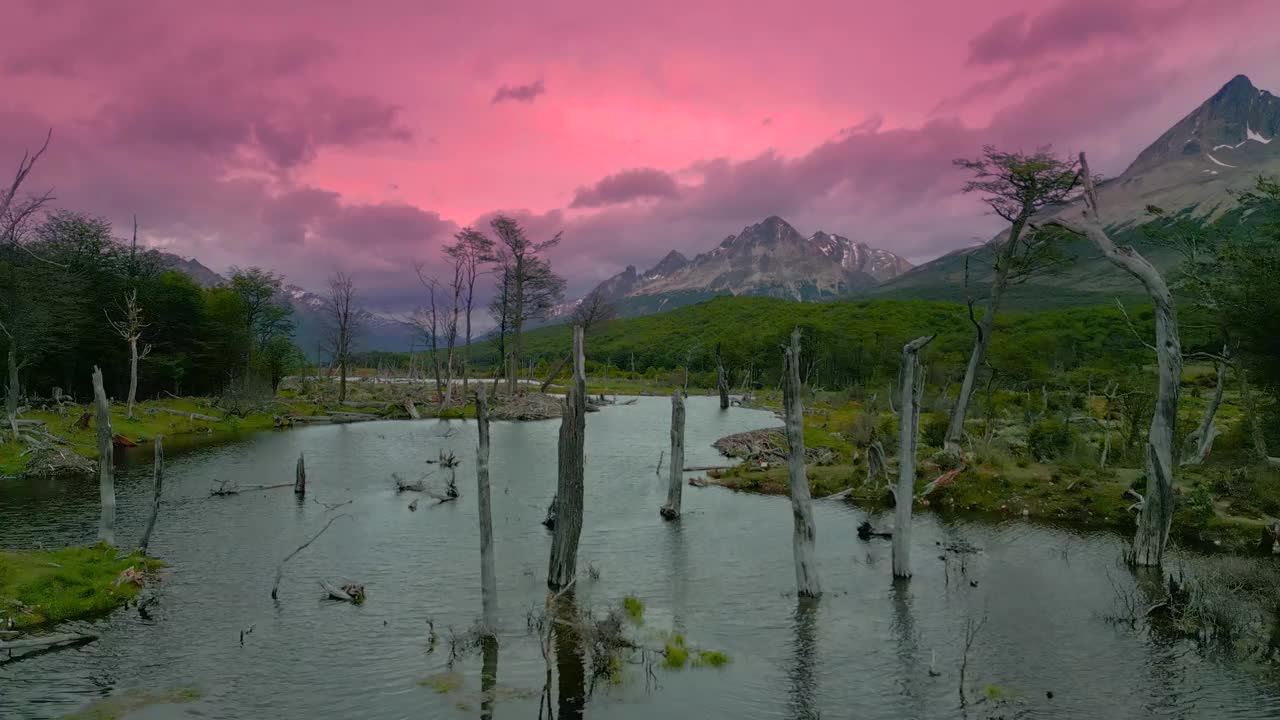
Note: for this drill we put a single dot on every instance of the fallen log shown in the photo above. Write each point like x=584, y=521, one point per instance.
x=942, y=480
x=187, y=415
x=121, y=441
x=29, y=423
x=350, y=592
x=705, y=468
x=866, y=532
x=46, y=641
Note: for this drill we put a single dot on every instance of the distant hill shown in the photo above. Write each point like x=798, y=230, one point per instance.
x=380, y=331
x=1220, y=147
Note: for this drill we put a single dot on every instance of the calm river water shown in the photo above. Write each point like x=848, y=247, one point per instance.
x=723, y=576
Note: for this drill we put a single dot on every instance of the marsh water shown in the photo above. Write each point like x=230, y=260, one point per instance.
x=722, y=576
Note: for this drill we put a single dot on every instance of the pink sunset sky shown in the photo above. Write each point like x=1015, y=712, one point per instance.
x=323, y=135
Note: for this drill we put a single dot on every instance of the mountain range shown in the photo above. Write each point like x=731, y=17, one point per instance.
x=769, y=258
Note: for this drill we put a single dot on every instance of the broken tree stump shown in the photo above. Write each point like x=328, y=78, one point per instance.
x=300, y=477
x=675, y=478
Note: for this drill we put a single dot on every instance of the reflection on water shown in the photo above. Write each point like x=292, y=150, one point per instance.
x=802, y=695
x=488, y=675
x=723, y=576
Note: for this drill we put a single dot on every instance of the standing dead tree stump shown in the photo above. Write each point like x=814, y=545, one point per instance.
x=722, y=380
x=910, y=386
x=563, y=567
x=675, y=484
x=106, y=460
x=488, y=577
x=300, y=477
x=157, y=476
x=804, y=536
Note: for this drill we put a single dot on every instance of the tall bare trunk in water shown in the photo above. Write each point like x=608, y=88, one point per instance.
x=722, y=380
x=804, y=534
x=675, y=476
x=910, y=384
x=569, y=486
x=1156, y=515
x=157, y=479
x=488, y=578
x=106, y=469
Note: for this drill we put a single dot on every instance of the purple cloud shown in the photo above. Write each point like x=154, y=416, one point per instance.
x=519, y=93
x=626, y=186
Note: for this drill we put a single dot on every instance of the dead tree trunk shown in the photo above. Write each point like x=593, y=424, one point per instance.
x=1156, y=514
x=157, y=476
x=106, y=469
x=910, y=376
x=133, y=376
x=488, y=579
x=1198, y=444
x=804, y=535
x=722, y=380
x=564, y=545
x=675, y=483
x=11, y=395
x=555, y=372
x=1251, y=412
x=300, y=477
x=875, y=463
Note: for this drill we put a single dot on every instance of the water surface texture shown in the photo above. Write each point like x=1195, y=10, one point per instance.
x=723, y=576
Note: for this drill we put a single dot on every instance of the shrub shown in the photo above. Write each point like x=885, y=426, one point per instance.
x=1048, y=438
x=933, y=429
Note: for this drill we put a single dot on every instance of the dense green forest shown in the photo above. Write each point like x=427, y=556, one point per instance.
x=65, y=282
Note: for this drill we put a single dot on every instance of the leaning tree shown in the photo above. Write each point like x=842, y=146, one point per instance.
x=1156, y=505
x=1015, y=186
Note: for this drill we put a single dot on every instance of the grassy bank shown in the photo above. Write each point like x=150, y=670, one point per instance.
x=47, y=587
x=1029, y=464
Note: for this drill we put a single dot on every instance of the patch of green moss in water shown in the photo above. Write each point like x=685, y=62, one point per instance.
x=130, y=701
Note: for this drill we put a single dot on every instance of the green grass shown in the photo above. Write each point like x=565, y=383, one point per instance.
x=710, y=658
x=46, y=587
x=634, y=608
x=130, y=701
x=675, y=655
x=443, y=683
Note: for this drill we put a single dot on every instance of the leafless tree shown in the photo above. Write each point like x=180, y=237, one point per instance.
x=130, y=327
x=529, y=290
x=1015, y=186
x=16, y=213
x=1156, y=514
x=341, y=326
x=427, y=320
x=472, y=247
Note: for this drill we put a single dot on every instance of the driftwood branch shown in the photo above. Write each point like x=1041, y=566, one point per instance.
x=46, y=641
x=275, y=587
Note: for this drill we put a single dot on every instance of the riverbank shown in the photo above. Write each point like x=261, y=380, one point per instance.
x=67, y=445
x=41, y=588
x=1227, y=502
